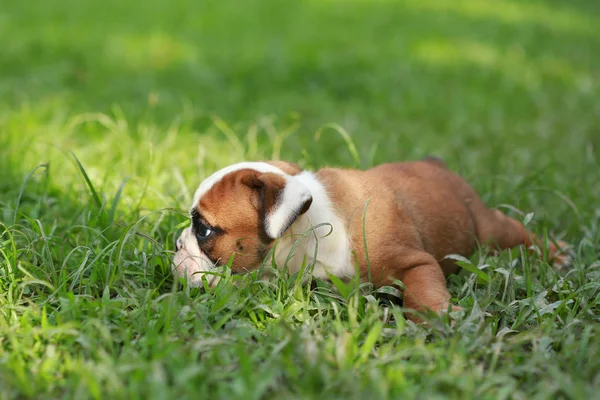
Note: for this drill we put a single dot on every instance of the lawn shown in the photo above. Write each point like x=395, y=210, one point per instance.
x=112, y=112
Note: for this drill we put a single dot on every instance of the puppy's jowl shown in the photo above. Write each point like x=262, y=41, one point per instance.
x=418, y=213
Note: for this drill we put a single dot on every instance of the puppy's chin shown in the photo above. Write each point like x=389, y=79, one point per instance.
x=191, y=263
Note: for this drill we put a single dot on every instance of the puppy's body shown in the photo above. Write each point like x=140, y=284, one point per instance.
x=411, y=216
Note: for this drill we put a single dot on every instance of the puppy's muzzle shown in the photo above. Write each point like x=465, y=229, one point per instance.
x=191, y=262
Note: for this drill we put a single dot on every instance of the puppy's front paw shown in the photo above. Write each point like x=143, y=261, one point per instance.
x=453, y=312
x=562, y=255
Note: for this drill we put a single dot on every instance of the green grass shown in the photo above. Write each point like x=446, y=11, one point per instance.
x=112, y=112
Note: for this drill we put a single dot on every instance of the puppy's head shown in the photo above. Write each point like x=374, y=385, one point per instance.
x=240, y=211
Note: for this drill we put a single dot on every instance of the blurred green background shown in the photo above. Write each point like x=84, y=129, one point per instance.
x=499, y=88
x=152, y=96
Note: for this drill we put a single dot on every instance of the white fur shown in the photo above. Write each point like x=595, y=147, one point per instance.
x=334, y=253
x=209, y=182
x=190, y=261
x=294, y=195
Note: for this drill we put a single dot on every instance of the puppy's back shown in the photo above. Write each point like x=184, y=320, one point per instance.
x=419, y=204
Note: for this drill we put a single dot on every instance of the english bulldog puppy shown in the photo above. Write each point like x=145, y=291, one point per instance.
x=414, y=214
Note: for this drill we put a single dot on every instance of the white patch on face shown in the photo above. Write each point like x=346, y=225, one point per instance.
x=291, y=201
x=209, y=182
x=190, y=261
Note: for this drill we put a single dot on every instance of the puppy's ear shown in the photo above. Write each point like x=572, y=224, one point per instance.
x=280, y=200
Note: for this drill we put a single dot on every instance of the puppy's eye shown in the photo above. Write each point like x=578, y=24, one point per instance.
x=202, y=232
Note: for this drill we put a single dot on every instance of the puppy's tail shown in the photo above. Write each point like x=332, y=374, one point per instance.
x=436, y=161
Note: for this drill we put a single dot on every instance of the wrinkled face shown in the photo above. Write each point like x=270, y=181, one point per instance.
x=239, y=211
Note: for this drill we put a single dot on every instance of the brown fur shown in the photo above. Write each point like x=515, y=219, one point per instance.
x=287, y=167
x=418, y=213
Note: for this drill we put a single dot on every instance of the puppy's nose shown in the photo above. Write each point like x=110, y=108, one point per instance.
x=178, y=243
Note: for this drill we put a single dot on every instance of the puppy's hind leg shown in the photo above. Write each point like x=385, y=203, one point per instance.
x=502, y=232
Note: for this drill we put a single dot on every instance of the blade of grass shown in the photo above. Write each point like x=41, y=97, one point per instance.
x=88, y=182
x=22, y=190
